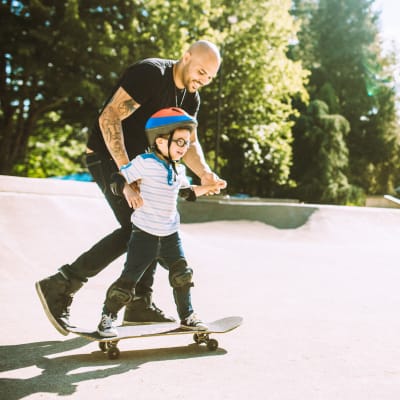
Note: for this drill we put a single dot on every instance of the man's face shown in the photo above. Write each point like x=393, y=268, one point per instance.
x=199, y=70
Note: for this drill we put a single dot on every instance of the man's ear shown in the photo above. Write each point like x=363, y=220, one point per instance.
x=186, y=57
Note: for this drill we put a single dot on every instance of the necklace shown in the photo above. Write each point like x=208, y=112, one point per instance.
x=181, y=91
x=182, y=98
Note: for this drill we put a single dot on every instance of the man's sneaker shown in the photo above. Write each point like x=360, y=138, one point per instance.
x=106, y=327
x=193, y=323
x=143, y=311
x=56, y=294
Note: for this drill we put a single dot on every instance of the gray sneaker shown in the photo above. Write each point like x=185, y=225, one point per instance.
x=106, y=327
x=193, y=323
x=143, y=311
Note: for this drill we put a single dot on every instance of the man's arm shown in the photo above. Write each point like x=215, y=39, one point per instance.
x=195, y=160
x=194, y=157
x=120, y=107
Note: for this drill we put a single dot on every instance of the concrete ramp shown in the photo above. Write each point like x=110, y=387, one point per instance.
x=318, y=287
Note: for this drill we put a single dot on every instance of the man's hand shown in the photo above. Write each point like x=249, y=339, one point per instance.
x=209, y=178
x=132, y=195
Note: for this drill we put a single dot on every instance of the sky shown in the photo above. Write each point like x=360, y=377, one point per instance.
x=390, y=30
x=389, y=20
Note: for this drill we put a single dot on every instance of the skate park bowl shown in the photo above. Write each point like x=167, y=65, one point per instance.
x=316, y=285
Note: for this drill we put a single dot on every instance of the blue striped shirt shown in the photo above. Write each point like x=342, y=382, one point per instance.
x=159, y=188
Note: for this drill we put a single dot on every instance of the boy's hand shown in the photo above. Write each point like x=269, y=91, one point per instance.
x=135, y=185
x=132, y=196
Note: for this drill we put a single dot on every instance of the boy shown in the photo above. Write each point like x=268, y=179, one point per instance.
x=155, y=221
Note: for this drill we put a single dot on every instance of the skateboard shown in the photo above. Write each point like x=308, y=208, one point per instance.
x=109, y=345
x=392, y=198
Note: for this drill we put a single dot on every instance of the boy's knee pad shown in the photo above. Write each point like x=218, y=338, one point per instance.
x=120, y=292
x=119, y=296
x=180, y=274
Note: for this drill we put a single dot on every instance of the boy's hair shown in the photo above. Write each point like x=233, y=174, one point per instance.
x=166, y=121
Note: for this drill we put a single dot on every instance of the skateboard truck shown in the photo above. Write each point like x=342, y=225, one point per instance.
x=212, y=344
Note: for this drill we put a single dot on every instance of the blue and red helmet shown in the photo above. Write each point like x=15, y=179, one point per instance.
x=166, y=120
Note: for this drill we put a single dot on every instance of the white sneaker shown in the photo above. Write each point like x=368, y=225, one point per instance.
x=106, y=327
x=193, y=323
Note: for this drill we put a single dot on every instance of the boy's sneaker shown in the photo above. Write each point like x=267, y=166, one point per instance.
x=193, y=323
x=106, y=327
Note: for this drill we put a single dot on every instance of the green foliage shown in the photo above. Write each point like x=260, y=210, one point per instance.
x=56, y=57
x=54, y=150
x=59, y=61
x=321, y=157
x=255, y=85
x=339, y=43
x=66, y=56
x=69, y=54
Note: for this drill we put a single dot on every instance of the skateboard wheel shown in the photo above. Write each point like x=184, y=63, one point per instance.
x=113, y=353
x=196, y=338
x=212, y=345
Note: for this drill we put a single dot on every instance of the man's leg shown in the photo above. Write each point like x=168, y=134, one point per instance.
x=56, y=292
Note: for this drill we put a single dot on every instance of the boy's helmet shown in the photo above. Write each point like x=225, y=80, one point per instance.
x=166, y=120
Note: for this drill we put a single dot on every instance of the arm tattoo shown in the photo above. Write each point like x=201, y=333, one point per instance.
x=112, y=130
x=126, y=108
x=120, y=107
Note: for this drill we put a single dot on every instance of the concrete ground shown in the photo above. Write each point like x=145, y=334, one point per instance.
x=320, y=304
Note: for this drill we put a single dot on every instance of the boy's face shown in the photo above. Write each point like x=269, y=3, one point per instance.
x=179, y=144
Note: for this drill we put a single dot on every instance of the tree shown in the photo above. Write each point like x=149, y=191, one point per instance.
x=321, y=157
x=350, y=74
x=257, y=83
x=64, y=57
x=88, y=44
x=55, y=57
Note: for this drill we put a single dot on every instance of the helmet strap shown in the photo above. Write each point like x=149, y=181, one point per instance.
x=169, y=161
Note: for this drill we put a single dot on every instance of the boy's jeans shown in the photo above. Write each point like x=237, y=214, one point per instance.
x=144, y=249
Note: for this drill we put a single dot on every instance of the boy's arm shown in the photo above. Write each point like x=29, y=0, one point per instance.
x=195, y=191
x=216, y=187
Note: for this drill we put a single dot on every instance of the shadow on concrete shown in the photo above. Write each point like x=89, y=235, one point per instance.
x=25, y=355
x=281, y=216
x=61, y=375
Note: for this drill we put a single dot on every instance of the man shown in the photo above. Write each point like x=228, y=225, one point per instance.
x=117, y=137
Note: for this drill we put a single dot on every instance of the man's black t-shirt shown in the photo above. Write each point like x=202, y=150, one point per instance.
x=150, y=83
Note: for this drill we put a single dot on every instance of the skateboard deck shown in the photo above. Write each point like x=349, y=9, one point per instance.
x=109, y=345
x=392, y=198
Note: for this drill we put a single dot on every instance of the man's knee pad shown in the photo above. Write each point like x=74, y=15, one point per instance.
x=180, y=274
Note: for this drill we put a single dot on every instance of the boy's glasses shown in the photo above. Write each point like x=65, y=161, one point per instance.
x=181, y=142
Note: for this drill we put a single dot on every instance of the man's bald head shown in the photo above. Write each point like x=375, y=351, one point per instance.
x=204, y=47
